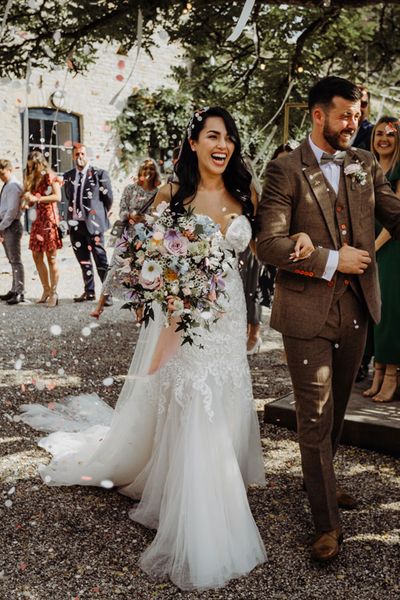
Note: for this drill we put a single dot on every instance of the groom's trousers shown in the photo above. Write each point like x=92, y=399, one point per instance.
x=323, y=370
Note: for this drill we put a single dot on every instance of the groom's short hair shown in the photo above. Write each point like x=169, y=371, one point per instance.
x=323, y=92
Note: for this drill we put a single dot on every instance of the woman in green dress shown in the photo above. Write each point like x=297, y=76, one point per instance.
x=386, y=147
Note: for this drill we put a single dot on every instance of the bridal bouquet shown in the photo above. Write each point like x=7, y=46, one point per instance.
x=178, y=263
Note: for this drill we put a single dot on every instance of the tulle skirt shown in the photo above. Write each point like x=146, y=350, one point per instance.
x=184, y=441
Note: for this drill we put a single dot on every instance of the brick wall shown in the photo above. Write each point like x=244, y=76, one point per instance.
x=87, y=96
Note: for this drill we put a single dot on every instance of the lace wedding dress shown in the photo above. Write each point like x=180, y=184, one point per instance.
x=183, y=438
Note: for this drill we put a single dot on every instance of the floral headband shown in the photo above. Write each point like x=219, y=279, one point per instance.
x=392, y=127
x=197, y=115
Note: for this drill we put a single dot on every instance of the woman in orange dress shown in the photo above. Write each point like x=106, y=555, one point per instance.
x=42, y=191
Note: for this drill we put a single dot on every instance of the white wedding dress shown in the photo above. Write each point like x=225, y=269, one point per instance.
x=184, y=440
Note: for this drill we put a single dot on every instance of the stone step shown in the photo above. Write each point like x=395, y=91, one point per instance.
x=367, y=424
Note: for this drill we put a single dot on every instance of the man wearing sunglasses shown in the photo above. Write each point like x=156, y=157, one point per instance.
x=363, y=137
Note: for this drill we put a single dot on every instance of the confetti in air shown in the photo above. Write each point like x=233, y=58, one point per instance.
x=107, y=483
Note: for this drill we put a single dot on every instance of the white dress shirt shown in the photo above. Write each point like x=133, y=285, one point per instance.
x=10, y=203
x=79, y=216
x=331, y=172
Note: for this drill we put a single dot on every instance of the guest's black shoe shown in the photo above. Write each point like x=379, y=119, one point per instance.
x=16, y=299
x=362, y=373
x=108, y=301
x=7, y=296
x=85, y=297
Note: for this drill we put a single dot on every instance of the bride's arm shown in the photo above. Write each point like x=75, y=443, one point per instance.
x=165, y=193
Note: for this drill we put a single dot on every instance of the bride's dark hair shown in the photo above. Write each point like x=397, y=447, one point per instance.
x=236, y=177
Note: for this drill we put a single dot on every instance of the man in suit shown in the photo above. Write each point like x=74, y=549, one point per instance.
x=89, y=195
x=321, y=306
x=11, y=230
x=362, y=138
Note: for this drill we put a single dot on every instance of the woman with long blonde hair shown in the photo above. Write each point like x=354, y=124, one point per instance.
x=385, y=145
x=42, y=191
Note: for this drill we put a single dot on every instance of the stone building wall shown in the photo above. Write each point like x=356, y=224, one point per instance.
x=88, y=96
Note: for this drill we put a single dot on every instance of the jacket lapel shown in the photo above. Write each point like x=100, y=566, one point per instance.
x=69, y=179
x=353, y=190
x=319, y=187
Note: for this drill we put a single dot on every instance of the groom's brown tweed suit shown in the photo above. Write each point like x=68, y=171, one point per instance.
x=323, y=322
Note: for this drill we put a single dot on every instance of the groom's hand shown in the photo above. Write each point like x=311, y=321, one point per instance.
x=352, y=260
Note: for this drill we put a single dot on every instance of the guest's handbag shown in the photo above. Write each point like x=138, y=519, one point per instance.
x=119, y=227
x=62, y=226
x=62, y=229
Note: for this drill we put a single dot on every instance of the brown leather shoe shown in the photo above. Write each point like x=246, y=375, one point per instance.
x=326, y=545
x=345, y=501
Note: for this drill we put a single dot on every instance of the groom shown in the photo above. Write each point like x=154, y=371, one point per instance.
x=322, y=303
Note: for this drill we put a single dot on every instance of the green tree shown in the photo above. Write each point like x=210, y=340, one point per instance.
x=152, y=123
x=282, y=50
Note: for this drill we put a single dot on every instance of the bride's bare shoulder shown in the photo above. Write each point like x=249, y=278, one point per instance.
x=165, y=193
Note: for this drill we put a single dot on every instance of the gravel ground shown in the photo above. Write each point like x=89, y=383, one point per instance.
x=78, y=543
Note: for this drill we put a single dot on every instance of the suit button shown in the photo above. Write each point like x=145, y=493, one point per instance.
x=339, y=209
x=331, y=283
x=346, y=282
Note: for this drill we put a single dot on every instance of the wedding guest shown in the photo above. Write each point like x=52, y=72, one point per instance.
x=363, y=140
x=322, y=303
x=386, y=147
x=172, y=178
x=89, y=196
x=11, y=230
x=136, y=195
x=364, y=132
x=135, y=198
x=43, y=192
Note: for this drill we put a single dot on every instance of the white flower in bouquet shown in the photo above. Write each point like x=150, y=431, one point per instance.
x=151, y=270
x=178, y=308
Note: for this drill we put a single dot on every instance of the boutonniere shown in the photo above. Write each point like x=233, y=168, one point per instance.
x=356, y=172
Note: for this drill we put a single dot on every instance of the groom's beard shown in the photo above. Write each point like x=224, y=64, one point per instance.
x=335, y=140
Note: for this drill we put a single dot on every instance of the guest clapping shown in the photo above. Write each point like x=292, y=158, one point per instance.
x=386, y=147
x=42, y=191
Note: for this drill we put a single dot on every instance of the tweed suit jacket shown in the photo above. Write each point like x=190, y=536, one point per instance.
x=296, y=199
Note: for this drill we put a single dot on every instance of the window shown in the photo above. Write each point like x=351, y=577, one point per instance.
x=53, y=133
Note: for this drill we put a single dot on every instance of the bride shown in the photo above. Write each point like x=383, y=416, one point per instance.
x=184, y=437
